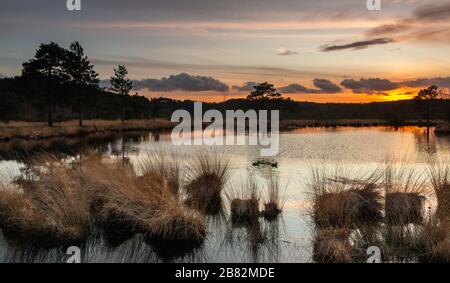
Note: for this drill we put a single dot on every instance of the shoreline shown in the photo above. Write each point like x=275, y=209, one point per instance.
x=38, y=131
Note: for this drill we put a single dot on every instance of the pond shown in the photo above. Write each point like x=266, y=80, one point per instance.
x=289, y=238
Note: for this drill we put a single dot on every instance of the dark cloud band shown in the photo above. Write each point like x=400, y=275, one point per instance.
x=357, y=45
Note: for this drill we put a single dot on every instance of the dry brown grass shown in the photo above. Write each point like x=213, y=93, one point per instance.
x=65, y=197
x=40, y=130
x=405, y=191
x=244, y=198
x=163, y=164
x=206, y=180
x=341, y=203
x=332, y=246
x=434, y=240
x=274, y=198
x=54, y=209
x=440, y=180
x=145, y=204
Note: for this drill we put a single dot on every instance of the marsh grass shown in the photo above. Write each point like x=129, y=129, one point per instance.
x=434, y=240
x=164, y=164
x=206, y=179
x=54, y=210
x=332, y=246
x=274, y=198
x=65, y=197
x=146, y=204
x=405, y=192
x=244, y=198
x=340, y=202
x=440, y=179
x=40, y=130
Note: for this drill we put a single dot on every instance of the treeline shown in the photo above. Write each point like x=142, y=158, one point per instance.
x=19, y=102
x=61, y=84
x=395, y=112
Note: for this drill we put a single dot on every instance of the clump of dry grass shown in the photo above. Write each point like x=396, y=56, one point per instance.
x=434, y=241
x=55, y=208
x=404, y=208
x=274, y=199
x=340, y=202
x=244, y=198
x=405, y=192
x=206, y=180
x=401, y=243
x=17, y=216
x=147, y=204
x=440, y=180
x=332, y=246
x=163, y=164
x=65, y=197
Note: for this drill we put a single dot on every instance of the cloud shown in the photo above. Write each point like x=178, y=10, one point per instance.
x=183, y=82
x=282, y=51
x=357, y=45
x=379, y=86
x=326, y=86
x=432, y=12
x=388, y=29
x=322, y=86
x=440, y=82
x=370, y=86
x=180, y=82
x=297, y=88
x=248, y=86
x=427, y=23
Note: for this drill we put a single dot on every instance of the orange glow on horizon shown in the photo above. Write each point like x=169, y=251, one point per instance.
x=344, y=97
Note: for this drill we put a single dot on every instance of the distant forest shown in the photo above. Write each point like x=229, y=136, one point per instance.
x=60, y=84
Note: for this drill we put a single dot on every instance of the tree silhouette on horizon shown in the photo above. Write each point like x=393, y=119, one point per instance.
x=121, y=85
x=264, y=91
x=426, y=98
x=47, y=70
x=83, y=76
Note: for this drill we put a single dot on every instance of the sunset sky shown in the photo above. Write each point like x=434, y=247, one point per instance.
x=312, y=50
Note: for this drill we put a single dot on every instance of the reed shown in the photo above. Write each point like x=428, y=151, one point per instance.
x=146, y=204
x=440, y=180
x=332, y=246
x=340, y=202
x=55, y=208
x=206, y=179
x=244, y=198
x=62, y=199
x=274, y=199
x=405, y=191
x=434, y=239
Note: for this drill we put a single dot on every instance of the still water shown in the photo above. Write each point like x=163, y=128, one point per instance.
x=287, y=240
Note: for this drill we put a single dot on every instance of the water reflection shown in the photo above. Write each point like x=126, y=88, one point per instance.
x=288, y=239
